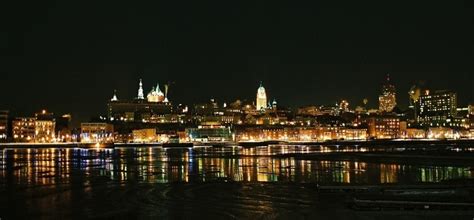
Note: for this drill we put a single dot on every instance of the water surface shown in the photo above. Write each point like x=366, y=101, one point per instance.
x=213, y=182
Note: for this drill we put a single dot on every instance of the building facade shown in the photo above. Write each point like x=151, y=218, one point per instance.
x=45, y=127
x=383, y=127
x=4, y=128
x=437, y=108
x=154, y=109
x=97, y=132
x=23, y=129
x=261, y=102
x=210, y=132
x=387, y=100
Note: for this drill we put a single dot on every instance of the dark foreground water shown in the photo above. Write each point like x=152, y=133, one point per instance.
x=263, y=182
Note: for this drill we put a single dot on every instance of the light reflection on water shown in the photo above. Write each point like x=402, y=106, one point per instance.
x=207, y=164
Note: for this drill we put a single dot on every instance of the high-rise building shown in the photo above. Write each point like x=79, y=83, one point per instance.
x=261, y=98
x=436, y=108
x=387, y=100
x=3, y=125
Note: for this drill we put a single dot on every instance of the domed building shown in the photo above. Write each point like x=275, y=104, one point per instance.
x=156, y=95
x=151, y=108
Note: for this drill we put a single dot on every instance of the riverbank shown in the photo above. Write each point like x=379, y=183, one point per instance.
x=416, y=143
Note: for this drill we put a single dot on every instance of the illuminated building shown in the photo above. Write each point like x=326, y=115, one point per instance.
x=212, y=112
x=261, y=98
x=97, y=132
x=144, y=135
x=344, y=106
x=3, y=125
x=441, y=133
x=156, y=95
x=266, y=133
x=437, y=108
x=413, y=133
x=308, y=111
x=24, y=129
x=140, y=91
x=114, y=98
x=289, y=133
x=387, y=100
x=45, y=127
x=383, y=126
x=272, y=118
x=210, y=132
x=154, y=109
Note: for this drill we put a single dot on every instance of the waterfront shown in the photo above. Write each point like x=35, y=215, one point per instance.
x=270, y=181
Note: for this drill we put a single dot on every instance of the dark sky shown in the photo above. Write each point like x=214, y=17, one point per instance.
x=69, y=56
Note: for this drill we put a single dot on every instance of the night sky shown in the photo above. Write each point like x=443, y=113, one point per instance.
x=69, y=56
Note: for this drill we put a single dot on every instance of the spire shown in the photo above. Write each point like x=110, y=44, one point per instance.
x=261, y=84
x=114, y=98
x=158, y=87
x=140, y=90
x=166, y=93
x=388, y=77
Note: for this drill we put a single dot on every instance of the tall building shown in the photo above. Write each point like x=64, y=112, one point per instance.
x=261, y=98
x=3, y=125
x=45, y=127
x=140, y=91
x=437, y=108
x=387, y=100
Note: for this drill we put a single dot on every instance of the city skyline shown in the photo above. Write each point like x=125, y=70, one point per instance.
x=287, y=97
x=237, y=110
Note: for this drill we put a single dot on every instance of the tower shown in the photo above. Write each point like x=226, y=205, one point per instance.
x=114, y=98
x=140, y=90
x=387, y=100
x=166, y=93
x=159, y=93
x=261, y=98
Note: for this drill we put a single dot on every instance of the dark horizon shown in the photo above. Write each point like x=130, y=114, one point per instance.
x=68, y=57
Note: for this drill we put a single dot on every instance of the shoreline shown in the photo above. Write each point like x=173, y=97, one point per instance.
x=356, y=143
